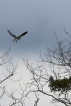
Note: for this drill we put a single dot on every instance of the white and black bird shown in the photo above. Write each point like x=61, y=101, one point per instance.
x=16, y=38
x=51, y=79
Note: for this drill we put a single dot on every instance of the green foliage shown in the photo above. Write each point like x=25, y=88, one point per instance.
x=62, y=85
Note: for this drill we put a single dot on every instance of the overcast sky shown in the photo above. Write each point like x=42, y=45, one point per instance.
x=40, y=19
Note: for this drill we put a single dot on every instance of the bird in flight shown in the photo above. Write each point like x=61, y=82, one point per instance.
x=16, y=38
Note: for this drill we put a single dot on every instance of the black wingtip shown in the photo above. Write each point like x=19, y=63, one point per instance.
x=26, y=32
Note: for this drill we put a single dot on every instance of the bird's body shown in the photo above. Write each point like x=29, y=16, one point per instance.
x=51, y=79
x=16, y=38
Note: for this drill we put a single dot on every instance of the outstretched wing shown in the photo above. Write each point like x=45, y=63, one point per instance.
x=11, y=34
x=23, y=34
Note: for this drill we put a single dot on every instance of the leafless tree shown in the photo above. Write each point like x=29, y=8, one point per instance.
x=21, y=92
x=4, y=60
x=59, y=62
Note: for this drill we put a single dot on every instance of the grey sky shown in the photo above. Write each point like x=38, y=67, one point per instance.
x=39, y=18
